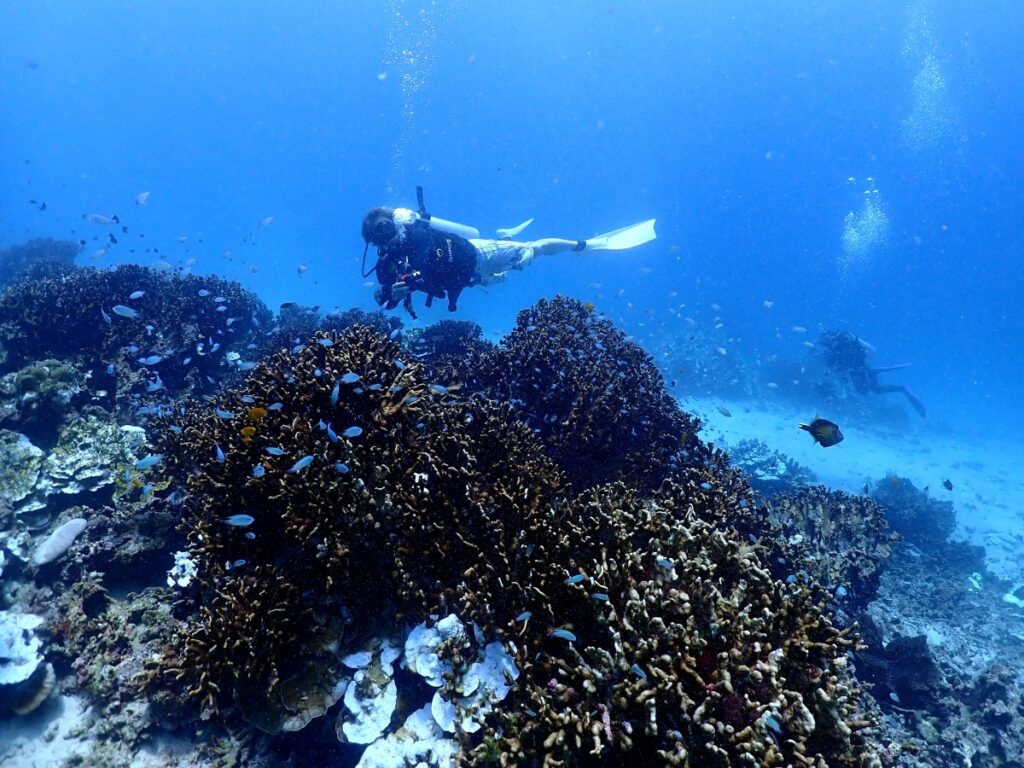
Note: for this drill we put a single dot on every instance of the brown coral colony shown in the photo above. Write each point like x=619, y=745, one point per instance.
x=547, y=489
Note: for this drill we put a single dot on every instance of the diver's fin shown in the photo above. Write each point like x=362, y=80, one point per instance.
x=621, y=239
x=510, y=232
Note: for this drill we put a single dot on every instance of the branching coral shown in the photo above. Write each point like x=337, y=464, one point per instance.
x=343, y=486
x=593, y=397
x=843, y=541
x=36, y=258
x=179, y=333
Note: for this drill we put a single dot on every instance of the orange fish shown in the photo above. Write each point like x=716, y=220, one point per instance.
x=256, y=413
x=247, y=433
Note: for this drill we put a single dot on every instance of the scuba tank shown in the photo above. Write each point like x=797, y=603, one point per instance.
x=452, y=227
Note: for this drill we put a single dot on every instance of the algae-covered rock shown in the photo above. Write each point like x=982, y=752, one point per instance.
x=20, y=462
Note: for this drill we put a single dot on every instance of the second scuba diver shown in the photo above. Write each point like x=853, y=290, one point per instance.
x=420, y=252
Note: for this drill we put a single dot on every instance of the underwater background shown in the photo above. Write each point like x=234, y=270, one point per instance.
x=812, y=166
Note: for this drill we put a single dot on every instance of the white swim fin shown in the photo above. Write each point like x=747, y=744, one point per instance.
x=621, y=239
x=508, y=234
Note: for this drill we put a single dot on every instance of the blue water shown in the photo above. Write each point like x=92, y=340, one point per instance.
x=736, y=124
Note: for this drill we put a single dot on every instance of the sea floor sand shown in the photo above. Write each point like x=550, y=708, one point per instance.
x=987, y=473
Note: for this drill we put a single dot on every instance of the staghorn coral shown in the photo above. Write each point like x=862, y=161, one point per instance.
x=646, y=630
x=180, y=326
x=380, y=321
x=769, y=471
x=593, y=397
x=843, y=541
x=447, y=341
x=421, y=465
x=683, y=649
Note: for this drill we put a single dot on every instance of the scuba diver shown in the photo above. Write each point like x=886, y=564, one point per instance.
x=846, y=356
x=420, y=252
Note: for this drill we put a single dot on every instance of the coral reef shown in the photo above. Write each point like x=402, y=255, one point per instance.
x=592, y=396
x=768, y=470
x=843, y=542
x=36, y=258
x=175, y=335
x=39, y=398
x=343, y=486
x=920, y=518
x=447, y=341
x=382, y=322
x=87, y=456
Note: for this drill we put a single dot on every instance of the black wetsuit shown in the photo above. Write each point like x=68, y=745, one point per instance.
x=846, y=356
x=438, y=263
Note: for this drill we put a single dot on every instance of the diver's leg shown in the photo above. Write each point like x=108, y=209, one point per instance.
x=917, y=404
x=550, y=245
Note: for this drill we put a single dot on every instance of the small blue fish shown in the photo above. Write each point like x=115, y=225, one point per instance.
x=175, y=429
x=221, y=308
x=132, y=348
x=636, y=670
x=350, y=378
x=576, y=578
x=106, y=317
x=241, y=521
x=706, y=486
x=136, y=294
x=187, y=360
x=318, y=372
x=247, y=399
x=245, y=365
x=395, y=334
x=791, y=579
x=250, y=535
x=151, y=360
x=203, y=292
x=439, y=389
x=335, y=392
x=772, y=722
x=563, y=634
x=841, y=592
x=123, y=311
x=341, y=468
x=600, y=596
x=220, y=453
x=147, y=489
x=221, y=413
x=331, y=433
x=664, y=562
x=275, y=406
x=110, y=369
x=325, y=342
x=399, y=365
x=301, y=464
x=148, y=461
x=127, y=475
x=219, y=299
x=353, y=432
x=296, y=349
x=523, y=616
x=259, y=471
x=275, y=451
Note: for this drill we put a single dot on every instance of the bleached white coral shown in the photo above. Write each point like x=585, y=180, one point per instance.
x=19, y=647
